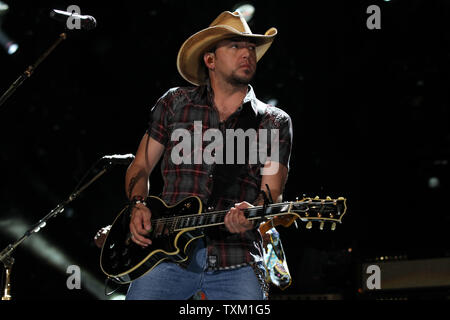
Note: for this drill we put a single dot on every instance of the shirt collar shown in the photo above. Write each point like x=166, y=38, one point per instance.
x=249, y=97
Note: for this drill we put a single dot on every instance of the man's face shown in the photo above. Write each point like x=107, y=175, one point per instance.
x=235, y=60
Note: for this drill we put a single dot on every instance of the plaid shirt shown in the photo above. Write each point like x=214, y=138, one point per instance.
x=186, y=108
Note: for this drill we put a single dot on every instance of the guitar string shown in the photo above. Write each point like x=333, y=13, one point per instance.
x=222, y=213
x=217, y=214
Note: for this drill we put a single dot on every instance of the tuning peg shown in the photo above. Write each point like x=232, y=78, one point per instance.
x=333, y=226
x=317, y=198
x=328, y=198
x=309, y=225
x=321, y=225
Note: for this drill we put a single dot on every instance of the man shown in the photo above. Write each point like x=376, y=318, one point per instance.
x=220, y=61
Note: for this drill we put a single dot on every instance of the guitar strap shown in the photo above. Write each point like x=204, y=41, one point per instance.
x=267, y=200
x=225, y=175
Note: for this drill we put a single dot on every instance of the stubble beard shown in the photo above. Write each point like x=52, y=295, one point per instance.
x=239, y=81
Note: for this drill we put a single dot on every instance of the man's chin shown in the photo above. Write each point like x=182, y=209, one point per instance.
x=244, y=79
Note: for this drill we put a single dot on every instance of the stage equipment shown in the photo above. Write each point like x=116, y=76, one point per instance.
x=6, y=254
x=87, y=23
x=401, y=278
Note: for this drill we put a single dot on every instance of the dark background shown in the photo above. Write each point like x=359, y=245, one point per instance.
x=370, y=110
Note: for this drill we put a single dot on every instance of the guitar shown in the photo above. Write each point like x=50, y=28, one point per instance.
x=175, y=227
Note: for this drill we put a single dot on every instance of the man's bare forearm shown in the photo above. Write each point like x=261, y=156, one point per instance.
x=273, y=185
x=138, y=173
x=136, y=182
x=276, y=195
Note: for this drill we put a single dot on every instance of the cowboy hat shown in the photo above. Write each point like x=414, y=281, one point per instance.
x=226, y=25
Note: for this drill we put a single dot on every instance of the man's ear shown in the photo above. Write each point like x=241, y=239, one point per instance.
x=209, y=59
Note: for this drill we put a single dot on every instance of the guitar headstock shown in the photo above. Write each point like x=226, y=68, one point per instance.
x=311, y=210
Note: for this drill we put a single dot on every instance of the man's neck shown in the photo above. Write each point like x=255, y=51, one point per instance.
x=227, y=97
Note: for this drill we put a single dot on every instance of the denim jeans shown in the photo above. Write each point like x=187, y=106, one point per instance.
x=169, y=281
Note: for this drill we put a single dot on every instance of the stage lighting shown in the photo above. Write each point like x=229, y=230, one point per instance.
x=246, y=9
x=10, y=46
x=3, y=7
x=434, y=183
x=272, y=101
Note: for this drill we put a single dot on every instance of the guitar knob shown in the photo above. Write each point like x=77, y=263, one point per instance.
x=333, y=226
x=309, y=225
x=321, y=225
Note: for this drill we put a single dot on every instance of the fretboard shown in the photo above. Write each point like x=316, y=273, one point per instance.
x=209, y=219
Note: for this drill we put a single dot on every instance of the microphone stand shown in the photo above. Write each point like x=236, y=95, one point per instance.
x=5, y=254
x=29, y=71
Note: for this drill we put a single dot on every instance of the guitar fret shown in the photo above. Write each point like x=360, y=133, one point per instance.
x=182, y=222
x=252, y=212
x=194, y=221
x=174, y=223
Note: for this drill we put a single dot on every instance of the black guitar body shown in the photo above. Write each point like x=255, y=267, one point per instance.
x=124, y=261
x=174, y=229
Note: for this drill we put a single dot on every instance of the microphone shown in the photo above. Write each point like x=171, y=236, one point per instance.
x=119, y=158
x=80, y=21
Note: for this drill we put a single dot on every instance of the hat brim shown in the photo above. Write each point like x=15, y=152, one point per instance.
x=190, y=55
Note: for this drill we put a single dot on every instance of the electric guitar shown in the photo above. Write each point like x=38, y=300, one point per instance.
x=175, y=227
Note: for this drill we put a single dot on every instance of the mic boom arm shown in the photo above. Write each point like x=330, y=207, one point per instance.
x=29, y=71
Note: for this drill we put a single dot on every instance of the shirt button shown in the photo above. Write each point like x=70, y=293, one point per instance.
x=210, y=176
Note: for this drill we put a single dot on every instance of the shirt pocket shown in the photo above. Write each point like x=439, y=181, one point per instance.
x=186, y=143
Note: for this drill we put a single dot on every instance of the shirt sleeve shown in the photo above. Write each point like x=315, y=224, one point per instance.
x=160, y=116
x=279, y=135
x=285, y=140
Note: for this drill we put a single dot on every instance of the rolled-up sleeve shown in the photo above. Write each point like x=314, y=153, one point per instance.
x=285, y=140
x=160, y=115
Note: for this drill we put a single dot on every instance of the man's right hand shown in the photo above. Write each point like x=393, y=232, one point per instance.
x=140, y=225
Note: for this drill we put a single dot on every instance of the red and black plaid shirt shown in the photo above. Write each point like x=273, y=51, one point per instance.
x=179, y=108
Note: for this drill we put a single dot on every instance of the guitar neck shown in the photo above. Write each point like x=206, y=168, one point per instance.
x=209, y=219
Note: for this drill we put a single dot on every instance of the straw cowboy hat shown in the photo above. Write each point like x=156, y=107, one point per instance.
x=227, y=25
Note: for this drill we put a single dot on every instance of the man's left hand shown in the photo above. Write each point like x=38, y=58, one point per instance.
x=235, y=220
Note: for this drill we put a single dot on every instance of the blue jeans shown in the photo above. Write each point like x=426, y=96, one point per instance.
x=169, y=281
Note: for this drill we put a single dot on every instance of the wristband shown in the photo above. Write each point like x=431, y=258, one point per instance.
x=138, y=199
